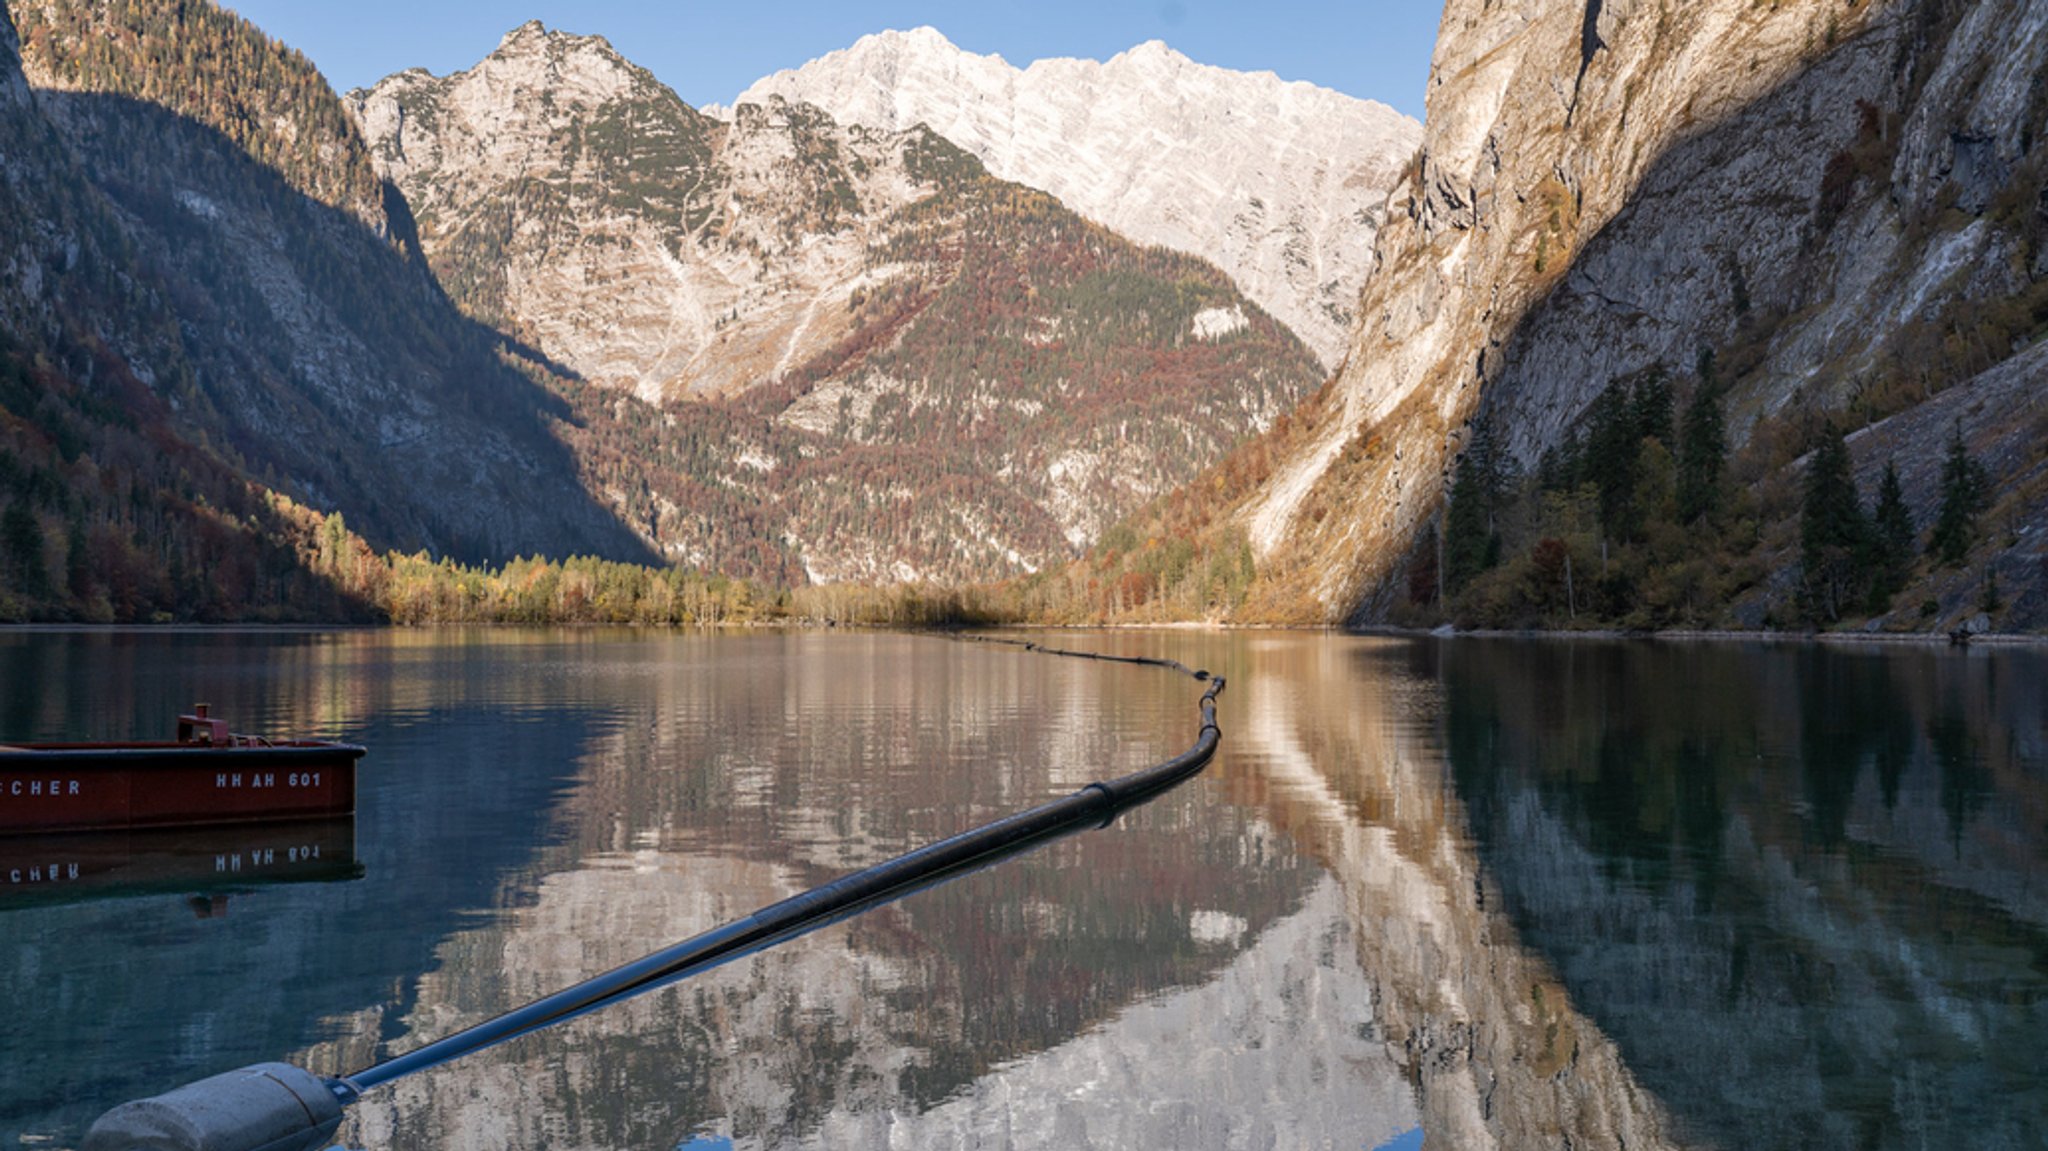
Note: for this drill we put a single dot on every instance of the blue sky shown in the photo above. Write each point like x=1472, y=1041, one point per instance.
x=1378, y=49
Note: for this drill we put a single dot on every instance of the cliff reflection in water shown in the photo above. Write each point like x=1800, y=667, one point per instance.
x=1520, y=894
x=1803, y=888
x=1303, y=949
x=1341, y=741
x=1183, y=979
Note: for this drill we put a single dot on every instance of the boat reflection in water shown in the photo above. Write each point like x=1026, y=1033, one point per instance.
x=208, y=864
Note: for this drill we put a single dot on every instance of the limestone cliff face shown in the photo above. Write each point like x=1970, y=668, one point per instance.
x=1610, y=187
x=1282, y=185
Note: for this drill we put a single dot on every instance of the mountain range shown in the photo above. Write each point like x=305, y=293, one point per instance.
x=1283, y=185
x=887, y=364
x=881, y=320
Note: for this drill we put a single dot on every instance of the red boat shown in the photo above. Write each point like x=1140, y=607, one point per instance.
x=207, y=775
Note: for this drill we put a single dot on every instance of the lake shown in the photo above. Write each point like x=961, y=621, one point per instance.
x=1471, y=892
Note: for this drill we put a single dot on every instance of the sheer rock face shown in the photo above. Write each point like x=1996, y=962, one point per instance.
x=1283, y=185
x=1605, y=188
x=565, y=193
x=909, y=369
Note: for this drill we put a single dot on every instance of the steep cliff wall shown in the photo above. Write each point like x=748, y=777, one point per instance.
x=1842, y=199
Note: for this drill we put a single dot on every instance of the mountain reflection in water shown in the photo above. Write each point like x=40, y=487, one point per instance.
x=1512, y=893
x=1802, y=887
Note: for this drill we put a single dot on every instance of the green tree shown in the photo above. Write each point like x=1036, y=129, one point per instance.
x=1558, y=468
x=78, y=574
x=1965, y=492
x=21, y=543
x=1702, y=455
x=1656, y=496
x=1895, y=534
x=1650, y=406
x=1470, y=544
x=1834, y=533
x=1614, y=442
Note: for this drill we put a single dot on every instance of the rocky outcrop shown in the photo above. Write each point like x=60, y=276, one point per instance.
x=1832, y=191
x=852, y=348
x=1282, y=185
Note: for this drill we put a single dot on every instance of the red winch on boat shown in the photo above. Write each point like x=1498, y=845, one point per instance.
x=207, y=775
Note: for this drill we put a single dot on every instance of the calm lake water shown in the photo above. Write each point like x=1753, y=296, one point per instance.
x=1490, y=893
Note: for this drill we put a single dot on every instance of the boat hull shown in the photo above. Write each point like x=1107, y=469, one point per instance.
x=94, y=787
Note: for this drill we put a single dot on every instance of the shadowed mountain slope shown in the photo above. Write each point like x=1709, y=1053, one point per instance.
x=203, y=251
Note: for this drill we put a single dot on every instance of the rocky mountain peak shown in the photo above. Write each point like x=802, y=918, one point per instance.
x=583, y=70
x=534, y=38
x=530, y=110
x=1281, y=184
x=533, y=31
x=923, y=39
x=1152, y=53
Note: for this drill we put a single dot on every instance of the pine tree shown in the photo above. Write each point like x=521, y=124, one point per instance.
x=1834, y=533
x=21, y=545
x=1563, y=465
x=1702, y=455
x=1895, y=536
x=1612, y=447
x=1650, y=406
x=1965, y=492
x=1490, y=467
x=1469, y=543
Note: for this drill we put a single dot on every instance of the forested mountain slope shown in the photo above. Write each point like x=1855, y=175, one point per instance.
x=108, y=513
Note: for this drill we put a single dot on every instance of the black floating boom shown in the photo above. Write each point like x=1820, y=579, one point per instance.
x=278, y=1107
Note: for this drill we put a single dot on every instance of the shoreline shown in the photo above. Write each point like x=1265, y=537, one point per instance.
x=1384, y=631
x=1702, y=635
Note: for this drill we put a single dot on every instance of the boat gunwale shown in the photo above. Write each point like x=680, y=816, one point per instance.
x=19, y=754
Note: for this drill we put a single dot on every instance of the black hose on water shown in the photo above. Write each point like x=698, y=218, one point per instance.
x=277, y=1107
